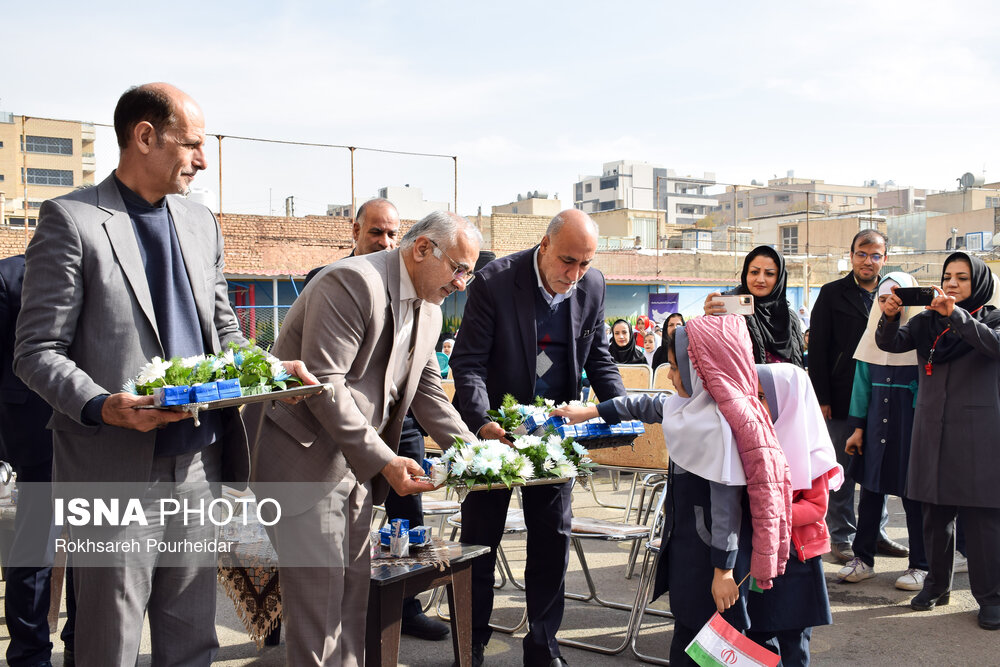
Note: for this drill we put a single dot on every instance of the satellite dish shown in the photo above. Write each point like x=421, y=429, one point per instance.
x=996, y=240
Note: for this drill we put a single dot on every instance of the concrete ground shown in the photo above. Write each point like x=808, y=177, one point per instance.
x=872, y=622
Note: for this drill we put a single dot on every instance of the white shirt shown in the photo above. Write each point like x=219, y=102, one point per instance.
x=552, y=300
x=408, y=304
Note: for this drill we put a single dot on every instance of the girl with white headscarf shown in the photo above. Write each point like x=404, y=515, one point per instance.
x=782, y=619
x=881, y=412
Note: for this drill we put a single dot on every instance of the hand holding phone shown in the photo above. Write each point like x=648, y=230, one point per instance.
x=739, y=304
x=915, y=296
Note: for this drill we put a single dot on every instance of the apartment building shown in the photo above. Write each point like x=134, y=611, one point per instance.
x=40, y=159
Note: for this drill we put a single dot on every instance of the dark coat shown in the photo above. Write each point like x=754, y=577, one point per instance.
x=24, y=440
x=838, y=321
x=955, y=448
x=495, y=351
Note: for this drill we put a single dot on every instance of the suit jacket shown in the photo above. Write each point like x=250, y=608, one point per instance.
x=838, y=321
x=496, y=348
x=24, y=440
x=343, y=327
x=87, y=325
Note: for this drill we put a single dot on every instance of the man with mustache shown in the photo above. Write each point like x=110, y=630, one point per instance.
x=533, y=322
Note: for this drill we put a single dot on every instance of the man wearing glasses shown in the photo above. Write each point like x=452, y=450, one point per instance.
x=838, y=322
x=533, y=321
x=369, y=324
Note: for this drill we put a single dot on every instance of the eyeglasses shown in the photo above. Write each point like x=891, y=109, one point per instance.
x=459, y=271
x=874, y=257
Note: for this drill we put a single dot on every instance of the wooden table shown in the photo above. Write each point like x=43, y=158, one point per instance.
x=391, y=583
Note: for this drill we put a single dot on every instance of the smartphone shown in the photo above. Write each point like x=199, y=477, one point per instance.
x=739, y=304
x=915, y=296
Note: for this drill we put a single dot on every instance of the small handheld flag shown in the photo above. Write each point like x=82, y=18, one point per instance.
x=719, y=644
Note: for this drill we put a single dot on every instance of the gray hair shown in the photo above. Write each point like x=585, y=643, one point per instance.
x=443, y=228
x=372, y=203
x=557, y=222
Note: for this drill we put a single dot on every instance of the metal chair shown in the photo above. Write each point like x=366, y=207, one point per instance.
x=647, y=573
x=598, y=529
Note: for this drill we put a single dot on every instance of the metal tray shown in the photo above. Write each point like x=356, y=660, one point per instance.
x=195, y=408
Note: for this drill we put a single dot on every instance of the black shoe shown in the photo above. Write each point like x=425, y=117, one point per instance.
x=888, y=547
x=925, y=600
x=989, y=617
x=423, y=627
x=558, y=662
x=69, y=659
x=477, y=656
x=842, y=553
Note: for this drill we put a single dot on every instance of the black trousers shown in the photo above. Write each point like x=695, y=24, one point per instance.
x=871, y=507
x=982, y=536
x=791, y=645
x=411, y=445
x=26, y=603
x=548, y=515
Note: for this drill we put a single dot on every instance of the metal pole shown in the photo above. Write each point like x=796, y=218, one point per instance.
x=805, y=262
x=455, y=158
x=24, y=175
x=656, y=210
x=219, y=137
x=353, y=201
x=277, y=325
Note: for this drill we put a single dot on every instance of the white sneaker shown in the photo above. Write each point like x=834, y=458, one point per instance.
x=961, y=564
x=911, y=580
x=856, y=571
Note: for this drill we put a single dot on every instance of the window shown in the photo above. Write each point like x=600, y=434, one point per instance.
x=760, y=201
x=1, y=144
x=61, y=177
x=820, y=198
x=588, y=187
x=34, y=204
x=607, y=205
x=782, y=198
x=739, y=204
x=50, y=145
x=991, y=202
x=859, y=200
x=790, y=240
x=609, y=183
x=728, y=206
x=1, y=178
x=845, y=199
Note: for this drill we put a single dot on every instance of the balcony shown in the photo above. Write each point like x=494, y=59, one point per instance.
x=88, y=162
x=87, y=132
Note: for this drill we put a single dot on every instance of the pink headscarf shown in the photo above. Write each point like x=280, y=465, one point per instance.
x=722, y=354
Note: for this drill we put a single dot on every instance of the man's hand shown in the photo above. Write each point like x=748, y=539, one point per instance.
x=854, y=442
x=827, y=412
x=493, y=431
x=120, y=410
x=299, y=370
x=400, y=471
x=725, y=592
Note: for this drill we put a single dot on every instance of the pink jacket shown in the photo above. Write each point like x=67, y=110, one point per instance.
x=810, y=536
x=722, y=354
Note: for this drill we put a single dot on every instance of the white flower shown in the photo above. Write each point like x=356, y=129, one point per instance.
x=565, y=469
x=439, y=472
x=526, y=441
x=153, y=371
x=458, y=467
x=550, y=404
x=228, y=358
x=548, y=465
x=191, y=362
x=525, y=468
x=580, y=449
x=555, y=453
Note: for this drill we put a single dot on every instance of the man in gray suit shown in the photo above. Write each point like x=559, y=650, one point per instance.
x=367, y=325
x=117, y=274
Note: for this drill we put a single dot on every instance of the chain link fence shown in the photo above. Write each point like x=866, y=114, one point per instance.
x=258, y=322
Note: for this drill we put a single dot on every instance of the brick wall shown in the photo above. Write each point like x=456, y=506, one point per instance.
x=509, y=233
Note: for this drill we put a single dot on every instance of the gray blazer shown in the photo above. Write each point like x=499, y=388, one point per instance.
x=87, y=325
x=342, y=326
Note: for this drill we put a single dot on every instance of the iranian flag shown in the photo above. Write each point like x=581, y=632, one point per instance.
x=719, y=644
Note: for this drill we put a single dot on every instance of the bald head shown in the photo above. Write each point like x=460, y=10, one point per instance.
x=567, y=250
x=161, y=133
x=376, y=227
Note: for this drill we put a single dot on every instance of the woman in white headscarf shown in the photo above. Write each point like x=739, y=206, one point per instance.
x=882, y=410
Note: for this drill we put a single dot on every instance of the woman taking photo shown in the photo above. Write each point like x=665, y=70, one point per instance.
x=954, y=449
x=674, y=320
x=623, y=348
x=775, y=331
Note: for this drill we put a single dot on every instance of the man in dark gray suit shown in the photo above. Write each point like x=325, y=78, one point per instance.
x=117, y=274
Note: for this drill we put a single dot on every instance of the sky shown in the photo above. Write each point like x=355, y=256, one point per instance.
x=530, y=95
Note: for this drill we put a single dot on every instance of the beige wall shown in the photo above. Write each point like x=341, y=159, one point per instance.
x=533, y=206
x=12, y=159
x=939, y=227
x=960, y=201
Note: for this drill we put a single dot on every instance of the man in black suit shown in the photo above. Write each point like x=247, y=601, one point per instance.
x=838, y=321
x=533, y=321
x=27, y=446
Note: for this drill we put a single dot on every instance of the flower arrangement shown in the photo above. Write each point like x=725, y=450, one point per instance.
x=491, y=462
x=240, y=370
